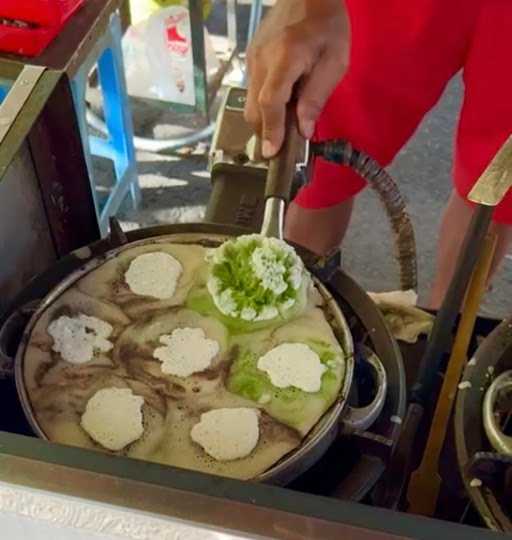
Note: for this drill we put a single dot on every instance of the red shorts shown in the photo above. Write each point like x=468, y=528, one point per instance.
x=403, y=54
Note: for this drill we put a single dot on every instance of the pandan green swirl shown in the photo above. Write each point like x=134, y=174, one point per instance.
x=255, y=278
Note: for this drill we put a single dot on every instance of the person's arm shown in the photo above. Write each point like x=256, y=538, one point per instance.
x=299, y=40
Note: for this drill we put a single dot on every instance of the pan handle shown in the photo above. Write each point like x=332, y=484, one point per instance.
x=10, y=334
x=281, y=168
x=361, y=418
x=501, y=443
x=280, y=177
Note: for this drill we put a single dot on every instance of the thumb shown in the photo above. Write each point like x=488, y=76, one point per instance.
x=315, y=90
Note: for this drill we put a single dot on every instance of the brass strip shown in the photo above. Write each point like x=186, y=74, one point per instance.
x=496, y=180
x=12, y=105
x=21, y=108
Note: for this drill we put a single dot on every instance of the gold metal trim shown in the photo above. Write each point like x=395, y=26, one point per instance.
x=17, y=97
x=496, y=180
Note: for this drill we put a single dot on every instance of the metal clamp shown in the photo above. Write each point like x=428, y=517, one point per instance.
x=361, y=418
x=501, y=443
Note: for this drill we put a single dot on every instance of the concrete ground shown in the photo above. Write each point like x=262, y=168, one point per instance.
x=175, y=188
x=423, y=173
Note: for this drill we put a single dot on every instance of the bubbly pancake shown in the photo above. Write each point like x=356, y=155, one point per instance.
x=80, y=337
x=113, y=417
x=108, y=282
x=190, y=397
x=117, y=336
x=289, y=404
x=227, y=434
x=186, y=351
x=154, y=274
x=293, y=365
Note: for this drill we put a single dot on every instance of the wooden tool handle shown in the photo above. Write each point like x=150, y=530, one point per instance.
x=425, y=482
x=281, y=169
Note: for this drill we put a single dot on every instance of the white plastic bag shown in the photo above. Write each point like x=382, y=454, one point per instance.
x=158, y=57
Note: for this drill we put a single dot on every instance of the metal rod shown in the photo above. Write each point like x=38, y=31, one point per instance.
x=254, y=22
x=153, y=145
x=195, y=8
x=255, y=18
x=273, y=218
x=441, y=334
x=231, y=20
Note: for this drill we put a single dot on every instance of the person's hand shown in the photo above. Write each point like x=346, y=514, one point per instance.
x=299, y=41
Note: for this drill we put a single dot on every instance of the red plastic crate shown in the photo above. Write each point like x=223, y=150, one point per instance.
x=43, y=19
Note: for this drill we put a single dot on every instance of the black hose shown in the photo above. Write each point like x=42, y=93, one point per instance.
x=343, y=153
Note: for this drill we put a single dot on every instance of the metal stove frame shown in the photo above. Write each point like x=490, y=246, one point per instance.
x=39, y=109
x=249, y=509
x=204, y=500
x=43, y=116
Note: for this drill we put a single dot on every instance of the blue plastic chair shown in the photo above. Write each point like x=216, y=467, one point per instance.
x=118, y=146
